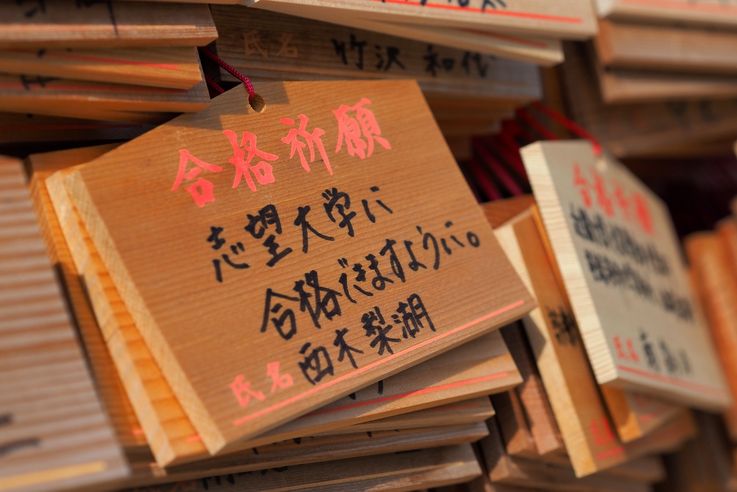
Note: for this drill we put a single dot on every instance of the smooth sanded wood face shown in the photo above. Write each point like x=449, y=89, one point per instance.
x=574, y=19
x=260, y=42
x=54, y=432
x=176, y=68
x=619, y=260
x=247, y=348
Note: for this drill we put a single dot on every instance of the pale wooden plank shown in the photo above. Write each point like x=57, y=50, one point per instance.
x=257, y=41
x=512, y=46
x=30, y=94
x=627, y=299
x=55, y=432
x=666, y=47
x=176, y=68
x=570, y=20
x=396, y=472
x=69, y=24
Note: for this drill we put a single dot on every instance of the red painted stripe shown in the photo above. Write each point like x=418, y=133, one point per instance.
x=669, y=379
x=107, y=59
x=419, y=392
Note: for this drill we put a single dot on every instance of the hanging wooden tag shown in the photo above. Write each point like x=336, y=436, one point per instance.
x=275, y=262
x=621, y=265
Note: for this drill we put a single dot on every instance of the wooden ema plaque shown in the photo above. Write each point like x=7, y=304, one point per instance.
x=631, y=130
x=635, y=415
x=53, y=430
x=706, y=12
x=577, y=403
x=415, y=470
x=106, y=379
x=510, y=46
x=298, y=281
x=712, y=268
x=262, y=43
x=626, y=281
x=71, y=23
x=552, y=333
x=26, y=93
x=574, y=19
x=626, y=86
x=464, y=412
x=666, y=47
x=506, y=470
x=176, y=68
x=531, y=393
x=480, y=368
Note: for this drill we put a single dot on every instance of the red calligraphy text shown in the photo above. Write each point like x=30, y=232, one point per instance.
x=243, y=392
x=278, y=380
x=201, y=190
x=359, y=130
x=300, y=139
x=243, y=156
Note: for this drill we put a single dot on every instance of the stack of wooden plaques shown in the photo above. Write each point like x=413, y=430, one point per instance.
x=345, y=391
x=713, y=257
x=77, y=70
x=458, y=81
x=517, y=29
x=666, y=75
x=559, y=425
x=639, y=62
x=676, y=126
x=55, y=433
x=305, y=294
x=555, y=431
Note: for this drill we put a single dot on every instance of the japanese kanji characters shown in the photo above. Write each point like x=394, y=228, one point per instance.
x=299, y=139
x=200, y=189
x=242, y=159
x=610, y=197
x=358, y=131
